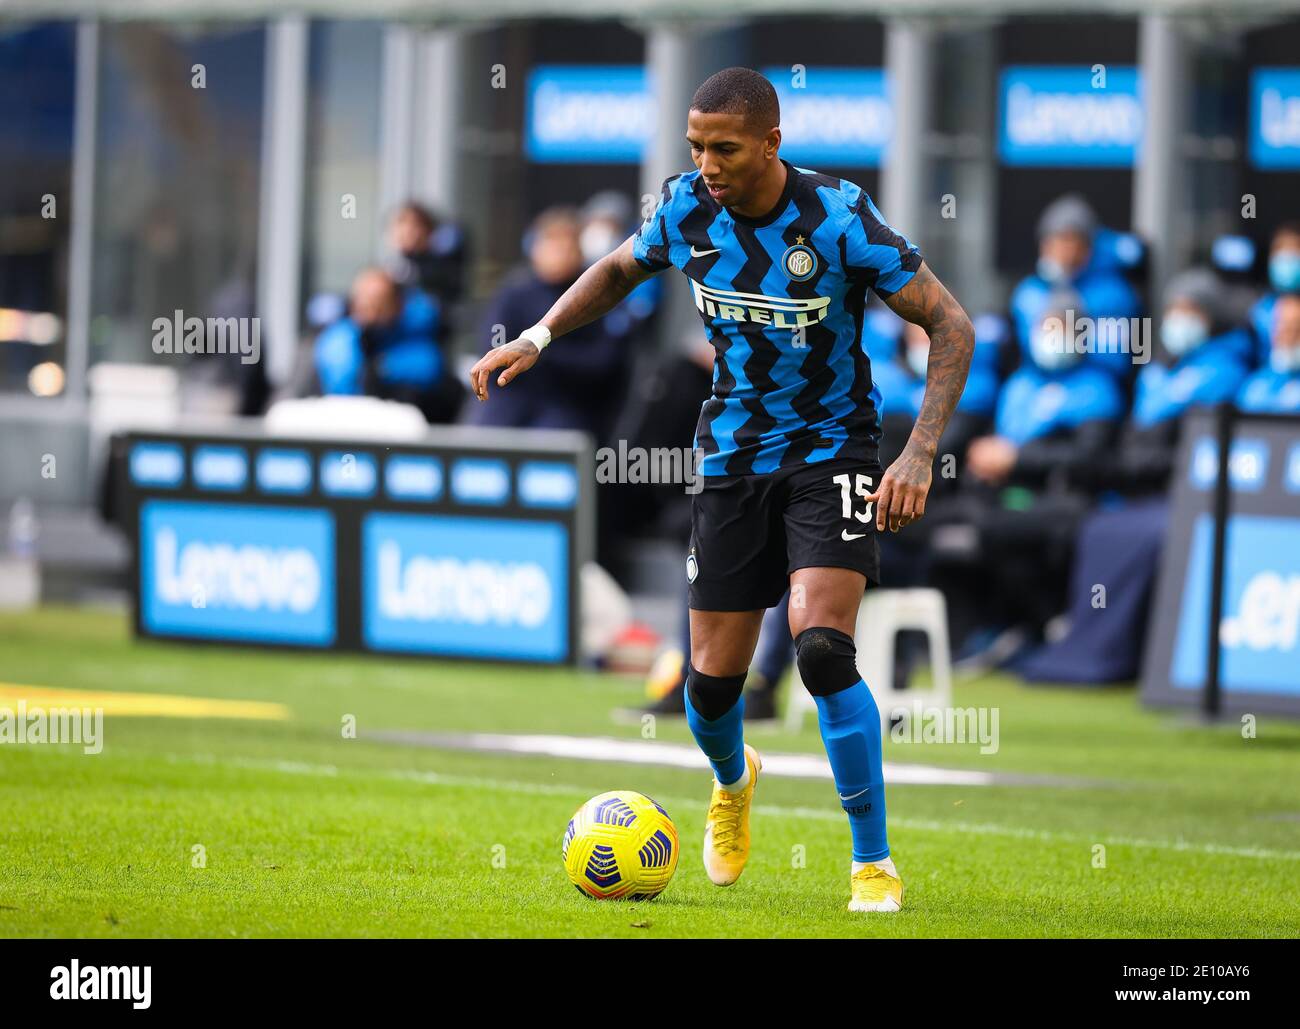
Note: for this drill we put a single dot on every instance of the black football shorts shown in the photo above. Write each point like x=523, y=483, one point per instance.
x=749, y=532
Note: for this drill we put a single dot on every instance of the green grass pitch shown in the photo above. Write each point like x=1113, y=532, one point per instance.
x=306, y=833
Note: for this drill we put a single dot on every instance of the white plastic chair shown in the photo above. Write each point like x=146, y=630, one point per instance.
x=880, y=618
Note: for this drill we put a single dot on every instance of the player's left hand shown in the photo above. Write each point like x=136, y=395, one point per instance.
x=900, y=499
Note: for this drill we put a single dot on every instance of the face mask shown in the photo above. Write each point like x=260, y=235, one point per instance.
x=1284, y=271
x=1051, y=271
x=1284, y=361
x=597, y=240
x=1049, y=352
x=918, y=359
x=1181, y=333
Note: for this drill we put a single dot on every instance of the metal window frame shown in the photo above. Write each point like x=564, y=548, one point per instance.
x=283, y=174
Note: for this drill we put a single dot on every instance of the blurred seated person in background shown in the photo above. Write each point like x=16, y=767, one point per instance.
x=429, y=254
x=387, y=346
x=1275, y=389
x=1066, y=232
x=1204, y=363
x=1020, y=501
x=1119, y=544
x=580, y=385
x=606, y=223
x=1055, y=413
x=1283, y=280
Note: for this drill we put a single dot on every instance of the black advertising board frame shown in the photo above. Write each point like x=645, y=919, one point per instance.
x=446, y=443
x=1222, y=503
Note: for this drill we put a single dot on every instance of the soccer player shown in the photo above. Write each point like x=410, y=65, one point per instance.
x=780, y=259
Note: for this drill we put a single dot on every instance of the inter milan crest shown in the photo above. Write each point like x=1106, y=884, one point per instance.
x=800, y=261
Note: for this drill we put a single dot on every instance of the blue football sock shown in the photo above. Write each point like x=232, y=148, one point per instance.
x=850, y=725
x=722, y=737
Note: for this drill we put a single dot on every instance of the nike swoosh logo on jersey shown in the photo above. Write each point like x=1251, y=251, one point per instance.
x=846, y=536
x=703, y=253
x=858, y=794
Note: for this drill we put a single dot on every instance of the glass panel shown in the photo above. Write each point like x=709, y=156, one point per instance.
x=38, y=72
x=342, y=153
x=179, y=139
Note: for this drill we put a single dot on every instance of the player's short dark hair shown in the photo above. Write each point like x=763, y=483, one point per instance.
x=739, y=91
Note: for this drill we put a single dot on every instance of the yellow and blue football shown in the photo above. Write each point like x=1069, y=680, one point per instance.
x=620, y=846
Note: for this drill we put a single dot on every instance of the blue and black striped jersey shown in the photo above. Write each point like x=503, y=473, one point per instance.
x=782, y=300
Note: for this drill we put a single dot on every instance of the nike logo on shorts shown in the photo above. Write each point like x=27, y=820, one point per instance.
x=847, y=536
x=703, y=253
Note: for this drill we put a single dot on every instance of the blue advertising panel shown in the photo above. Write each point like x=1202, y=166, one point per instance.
x=1060, y=116
x=283, y=471
x=588, y=113
x=237, y=571
x=1247, y=464
x=156, y=465
x=457, y=545
x=345, y=474
x=491, y=587
x=480, y=481
x=224, y=469
x=1259, y=631
x=1275, y=118
x=408, y=477
x=548, y=484
x=834, y=116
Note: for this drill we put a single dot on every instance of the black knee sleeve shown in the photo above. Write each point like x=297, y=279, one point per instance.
x=827, y=660
x=713, y=695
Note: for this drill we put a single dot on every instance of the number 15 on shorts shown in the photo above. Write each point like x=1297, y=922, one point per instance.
x=847, y=490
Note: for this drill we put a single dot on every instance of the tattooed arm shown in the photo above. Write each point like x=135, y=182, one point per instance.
x=900, y=498
x=597, y=292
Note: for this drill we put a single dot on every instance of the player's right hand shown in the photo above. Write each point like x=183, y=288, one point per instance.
x=515, y=357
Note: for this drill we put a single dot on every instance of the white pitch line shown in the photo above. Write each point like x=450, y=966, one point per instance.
x=773, y=810
x=680, y=755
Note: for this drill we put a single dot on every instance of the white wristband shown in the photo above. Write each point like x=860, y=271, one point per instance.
x=539, y=335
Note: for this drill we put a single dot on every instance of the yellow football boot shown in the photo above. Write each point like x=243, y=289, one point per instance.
x=874, y=889
x=726, y=827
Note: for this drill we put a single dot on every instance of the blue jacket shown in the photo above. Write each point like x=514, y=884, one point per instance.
x=1105, y=294
x=901, y=391
x=1035, y=403
x=1210, y=374
x=1261, y=323
x=404, y=354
